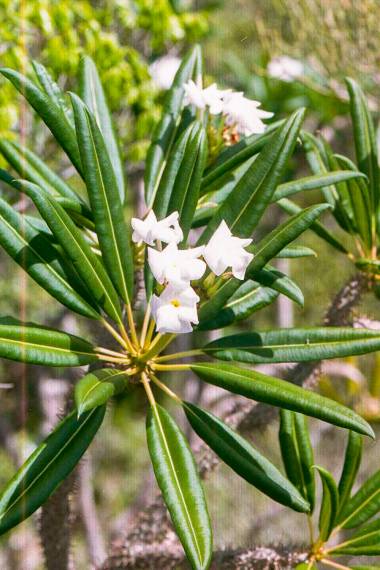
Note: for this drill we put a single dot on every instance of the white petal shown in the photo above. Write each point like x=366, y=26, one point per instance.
x=156, y=264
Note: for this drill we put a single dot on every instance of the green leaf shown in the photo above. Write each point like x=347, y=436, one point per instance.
x=49, y=112
x=92, y=93
x=52, y=89
x=29, y=166
x=245, y=205
x=276, y=392
x=37, y=256
x=166, y=129
x=297, y=453
x=244, y=459
x=296, y=251
x=47, y=467
x=365, y=139
x=177, y=477
x=291, y=208
x=350, y=469
x=282, y=236
x=97, y=387
x=279, y=282
x=249, y=298
x=314, y=182
x=45, y=346
x=268, y=248
x=366, y=541
x=179, y=186
x=363, y=505
x=330, y=504
x=111, y=229
x=85, y=261
x=269, y=278
x=359, y=200
x=234, y=156
x=295, y=344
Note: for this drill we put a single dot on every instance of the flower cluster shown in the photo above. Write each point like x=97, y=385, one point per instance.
x=239, y=112
x=175, y=310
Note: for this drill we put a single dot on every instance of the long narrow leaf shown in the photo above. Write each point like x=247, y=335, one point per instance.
x=249, y=298
x=92, y=93
x=350, y=467
x=165, y=132
x=276, y=392
x=49, y=112
x=177, y=477
x=85, y=261
x=243, y=458
x=330, y=504
x=245, y=205
x=363, y=505
x=295, y=344
x=41, y=345
x=29, y=166
x=291, y=208
x=112, y=231
x=365, y=139
x=47, y=467
x=32, y=249
x=313, y=183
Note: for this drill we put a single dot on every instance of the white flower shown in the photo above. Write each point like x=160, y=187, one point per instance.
x=163, y=70
x=174, y=311
x=210, y=97
x=176, y=266
x=285, y=68
x=150, y=229
x=244, y=113
x=224, y=250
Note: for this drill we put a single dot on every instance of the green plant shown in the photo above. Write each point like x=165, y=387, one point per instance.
x=80, y=251
x=355, y=202
x=340, y=510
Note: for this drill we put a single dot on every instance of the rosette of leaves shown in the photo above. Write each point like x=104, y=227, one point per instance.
x=348, y=520
x=355, y=202
x=77, y=246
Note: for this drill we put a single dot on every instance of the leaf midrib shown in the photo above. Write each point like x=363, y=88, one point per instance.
x=116, y=248
x=26, y=489
x=167, y=449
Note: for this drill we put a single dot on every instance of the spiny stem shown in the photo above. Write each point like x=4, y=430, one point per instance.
x=165, y=388
x=170, y=367
x=145, y=325
x=176, y=355
x=148, y=390
x=132, y=326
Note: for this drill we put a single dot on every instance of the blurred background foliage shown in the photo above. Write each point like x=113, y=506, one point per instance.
x=241, y=38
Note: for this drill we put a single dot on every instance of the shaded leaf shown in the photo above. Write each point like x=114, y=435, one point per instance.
x=47, y=467
x=243, y=458
x=330, y=504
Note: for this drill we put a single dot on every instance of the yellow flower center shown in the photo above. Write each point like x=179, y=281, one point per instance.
x=175, y=303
